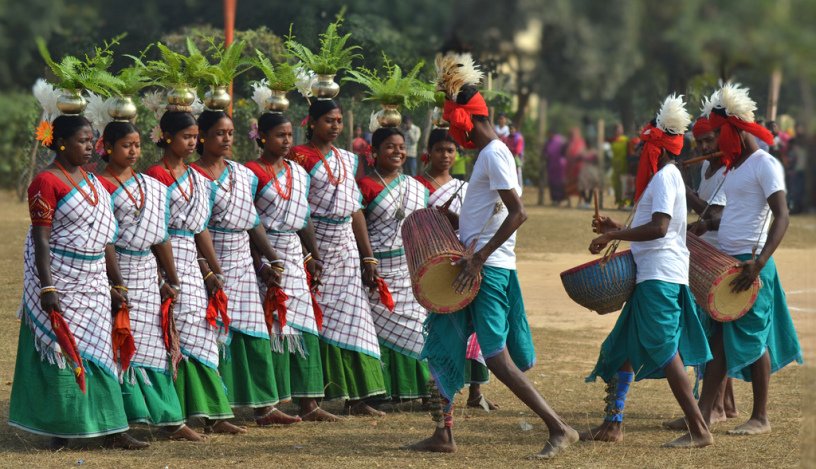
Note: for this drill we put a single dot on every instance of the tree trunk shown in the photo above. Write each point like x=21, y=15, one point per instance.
x=542, y=162
x=773, y=93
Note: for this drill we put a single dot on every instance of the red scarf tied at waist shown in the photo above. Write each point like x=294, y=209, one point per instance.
x=458, y=115
x=729, y=141
x=170, y=335
x=385, y=294
x=654, y=142
x=67, y=343
x=318, y=311
x=124, y=348
x=275, y=302
x=217, y=305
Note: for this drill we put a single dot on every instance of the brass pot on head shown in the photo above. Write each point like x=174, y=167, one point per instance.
x=325, y=88
x=277, y=102
x=389, y=116
x=71, y=102
x=122, y=108
x=217, y=98
x=180, y=98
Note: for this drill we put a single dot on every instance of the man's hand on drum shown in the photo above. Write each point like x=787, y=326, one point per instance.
x=698, y=228
x=370, y=275
x=597, y=244
x=604, y=225
x=472, y=264
x=750, y=271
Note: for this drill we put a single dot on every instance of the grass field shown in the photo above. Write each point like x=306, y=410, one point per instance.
x=567, y=338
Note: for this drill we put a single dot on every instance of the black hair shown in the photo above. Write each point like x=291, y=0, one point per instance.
x=66, y=127
x=173, y=122
x=317, y=109
x=206, y=121
x=439, y=135
x=465, y=93
x=267, y=122
x=115, y=131
x=382, y=134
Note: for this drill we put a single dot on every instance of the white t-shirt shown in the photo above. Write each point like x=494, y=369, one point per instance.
x=746, y=218
x=494, y=170
x=502, y=130
x=665, y=258
x=709, y=193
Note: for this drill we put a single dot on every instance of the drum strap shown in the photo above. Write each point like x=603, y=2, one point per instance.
x=616, y=391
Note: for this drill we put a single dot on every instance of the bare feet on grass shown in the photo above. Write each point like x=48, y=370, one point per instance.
x=689, y=441
x=225, y=427
x=318, y=415
x=275, y=416
x=557, y=443
x=440, y=442
x=362, y=409
x=752, y=427
x=185, y=433
x=610, y=432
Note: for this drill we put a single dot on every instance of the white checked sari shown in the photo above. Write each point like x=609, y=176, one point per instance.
x=400, y=330
x=79, y=233
x=233, y=213
x=187, y=218
x=446, y=191
x=282, y=219
x=347, y=319
x=137, y=233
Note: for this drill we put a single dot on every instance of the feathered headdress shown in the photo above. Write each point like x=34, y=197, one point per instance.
x=260, y=93
x=729, y=110
x=453, y=71
x=97, y=111
x=670, y=125
x=47, y=96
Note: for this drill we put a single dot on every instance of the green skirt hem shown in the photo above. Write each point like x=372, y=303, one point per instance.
x=247, y=371
x=350, y=375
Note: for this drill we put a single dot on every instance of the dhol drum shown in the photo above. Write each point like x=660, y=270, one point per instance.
x=431, y=247
x=710, y=276
x=602, y=285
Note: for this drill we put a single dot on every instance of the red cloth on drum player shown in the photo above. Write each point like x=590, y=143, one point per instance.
x=655, y=141
x=701, y=126
x=459, y=117
x=729, y=141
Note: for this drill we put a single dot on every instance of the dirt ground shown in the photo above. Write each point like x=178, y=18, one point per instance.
x=567, y=338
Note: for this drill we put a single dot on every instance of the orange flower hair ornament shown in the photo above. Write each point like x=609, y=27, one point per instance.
x=45, y=133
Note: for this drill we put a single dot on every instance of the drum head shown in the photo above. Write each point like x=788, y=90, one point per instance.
x=433, y=286
x=724, y=305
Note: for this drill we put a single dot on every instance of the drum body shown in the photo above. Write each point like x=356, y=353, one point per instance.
x=710, y=276
x=602, y=286
x=431, y=247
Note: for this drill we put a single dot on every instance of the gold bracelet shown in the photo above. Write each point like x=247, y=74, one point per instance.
x=45, y=290
x=120, y=288
x=208, y=275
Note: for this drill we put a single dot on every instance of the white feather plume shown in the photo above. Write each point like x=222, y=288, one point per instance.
x=374, y=121
x=453, y=71
x=709, y=103
x=672, y=116
x=154, y=102
x=198, y=106
x=260, y=93
x=47, y=96
x=304, y=80
x=736, y=102
x=97, y=111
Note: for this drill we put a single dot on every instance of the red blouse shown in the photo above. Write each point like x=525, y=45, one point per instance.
x=43, y=194
x=160, y=172
x=369, y=188
x=430, y=185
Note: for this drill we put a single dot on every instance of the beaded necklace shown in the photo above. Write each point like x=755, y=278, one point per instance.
x=139, y=206
x=86, y=196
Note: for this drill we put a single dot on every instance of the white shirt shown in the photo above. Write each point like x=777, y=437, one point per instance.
x=709, y=193
x=665, y=258
x=502, y=130
x=494, y=170
x=746, y=218
x=412, y=135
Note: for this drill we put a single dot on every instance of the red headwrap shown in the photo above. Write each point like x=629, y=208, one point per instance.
x=729, y=142
x=701, y=126
x=654, y=142
x=459, y=117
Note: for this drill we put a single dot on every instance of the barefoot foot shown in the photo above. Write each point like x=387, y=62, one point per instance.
x=185, y=433
x=689, y=441
x=440, y=442
x=557, y=444
x=124, y=441
x=610, y=432
x=676, y=424
x=319, y=415
x=481, y=402
x=225, y=427
x=58, y=444
x=363, y=409
x=276, y=417
x=751, y=427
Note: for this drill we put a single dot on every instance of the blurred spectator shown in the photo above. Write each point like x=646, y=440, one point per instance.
x=459, y=168
x=574, y=152
x=795, y=166
x=515, y=142
x=502, y=130
x=589, y=177
x=412, y=133
x=556, y=166
x=360, y=146
x=620, y=147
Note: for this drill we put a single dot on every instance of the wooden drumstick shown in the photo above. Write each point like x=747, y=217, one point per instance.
x=695, y=160
x=597, y=208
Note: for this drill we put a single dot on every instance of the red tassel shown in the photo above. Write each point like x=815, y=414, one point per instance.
x=124, y=348
x=318, y=311
x=166, y=311
x=275, y=302
x=217, y=306
x=385, y=295
x=170, y=335
x=67, y=343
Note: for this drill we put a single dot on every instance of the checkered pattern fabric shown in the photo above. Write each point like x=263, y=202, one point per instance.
x=384, y=230
x=401, y=329
x=444, y=193
x=138, y=233
x=278, y=214
x=138, y=266
x=231, y=199
x=79, y=234
x=347, y=319
x=245, y=306
x=196, y=336
x=335, y=202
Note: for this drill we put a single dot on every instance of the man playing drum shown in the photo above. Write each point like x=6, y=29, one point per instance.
x=658, y=332
x=490, y=215
x=764, y=340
